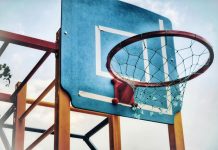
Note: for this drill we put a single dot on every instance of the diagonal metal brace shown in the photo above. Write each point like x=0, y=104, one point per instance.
x=7, y=115
x=92, y=132
x=3, y=47
x=4, y=139
x=96, y=128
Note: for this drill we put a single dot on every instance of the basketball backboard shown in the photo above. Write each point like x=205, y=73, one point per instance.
x=89, y=30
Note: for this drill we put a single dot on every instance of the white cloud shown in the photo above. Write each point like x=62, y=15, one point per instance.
x=165, y=9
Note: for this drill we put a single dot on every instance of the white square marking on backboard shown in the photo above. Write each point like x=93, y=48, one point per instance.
x=98, y=30
x=100, y=72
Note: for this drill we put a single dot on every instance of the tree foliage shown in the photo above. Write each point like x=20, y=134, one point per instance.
x=5, y=73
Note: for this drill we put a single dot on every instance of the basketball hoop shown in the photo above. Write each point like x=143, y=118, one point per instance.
x=148, y=68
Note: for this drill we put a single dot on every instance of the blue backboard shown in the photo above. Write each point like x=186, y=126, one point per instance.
x=89, y=30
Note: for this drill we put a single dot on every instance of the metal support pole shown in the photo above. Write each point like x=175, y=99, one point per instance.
x=176, y=138
x=19, y=125
x=62, y=114
x=62, y=121
x=114, y=132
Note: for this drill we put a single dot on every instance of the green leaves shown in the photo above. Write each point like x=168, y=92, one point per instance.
x=5, y=73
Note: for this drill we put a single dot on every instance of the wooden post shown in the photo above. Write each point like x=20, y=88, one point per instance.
x=62, y=113
x=114, y=132
x=176, y=138
x=19, y=125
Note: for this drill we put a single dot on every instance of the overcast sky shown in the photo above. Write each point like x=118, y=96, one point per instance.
x=41, y=19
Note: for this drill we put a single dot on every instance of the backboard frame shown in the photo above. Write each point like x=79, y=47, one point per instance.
x=87, y=99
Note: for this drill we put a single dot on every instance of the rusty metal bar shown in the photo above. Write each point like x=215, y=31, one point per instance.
x=5, y=97
x=51, y=85
x=4, y=139
x=36, y=67
x=28, y=41
x=44, y=135
x=51, y=105
x=7, y=114
x=3, y=47
x=19, y=125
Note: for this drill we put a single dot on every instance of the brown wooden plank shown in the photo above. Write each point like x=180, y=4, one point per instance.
x=176, y=137
x=114, y=132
